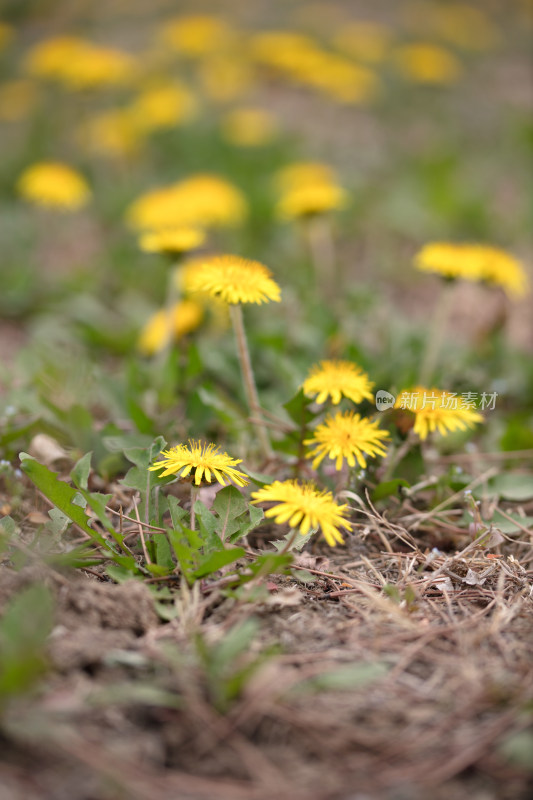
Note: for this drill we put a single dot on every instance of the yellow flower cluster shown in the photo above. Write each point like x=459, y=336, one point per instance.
x=437, y=410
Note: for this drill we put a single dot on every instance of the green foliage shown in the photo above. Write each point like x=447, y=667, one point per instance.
x=25, y=626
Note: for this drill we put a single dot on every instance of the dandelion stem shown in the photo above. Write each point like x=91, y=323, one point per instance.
x=322, y=250
x=436, y=335
x=290, y=541
x=195, y=490
x=248, y=376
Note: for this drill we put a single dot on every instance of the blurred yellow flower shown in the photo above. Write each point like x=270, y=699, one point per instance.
x=249, y=127
x=338, y=379
x=163, y=106
x=342, y=80
x=234, y=280
x=225, y=77
x=17, y=99
x=437, y=410
x=304, y=173
x=347, y=436
x=281, y=49
x=111, y=133
x=204, y=461
x=474, y=262
x=427, y=63
x=365, y=41
x=168, y=325
x=311, y=199
x=304, y=506
x=53, y=184
x=196, y=35
x=47, y=59
x=80, y=64
x=204, y=200
x=172, y=241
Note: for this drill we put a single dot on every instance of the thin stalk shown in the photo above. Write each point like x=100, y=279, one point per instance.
x=290, y=540
x=248, y=377
x=436, y=335
x=322, y=251
x=195, y=490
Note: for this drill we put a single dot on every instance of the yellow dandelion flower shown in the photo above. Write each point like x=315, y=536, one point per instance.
x=311, y=199
x=427, y=63
x=80, y=64
x=304, y=506
x=93, y=67
x=53, y=184
x=283, y=50
x=168, y=325
x=172, y=241
x=112, y=133
x=342, y=80
x=204, y=461
x=235, y=280
x=249, y=127
x=196, y=35
x=474, y=262
x=347, y=436
x=47, y=59
x=205, y=201
x=365, y=41
x=438, y=410
x=163, y=106
x=304, y=173
x=337, y=379
x=17, y=99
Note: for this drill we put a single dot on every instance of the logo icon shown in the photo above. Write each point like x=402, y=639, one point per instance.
x=384, y=400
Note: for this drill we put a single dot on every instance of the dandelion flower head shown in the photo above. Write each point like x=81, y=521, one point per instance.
x=53, y=184
x=303, y=506
x=163, y=105
x=337, y=379
x=204, y=200
x=196, y=35
x=438, y=410
x=168, y=325
x=234, y=280
x=347, y=436
x=425, y=62
x=172, y=241
x=474, y=262
x=202, y=461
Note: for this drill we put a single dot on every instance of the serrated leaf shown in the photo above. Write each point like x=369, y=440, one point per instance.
x=81, y=470
x=60, y=494
x=298, y=409
x=228, y=504
x=247, y=523
x=177, y=512
x=215, y=561
x=298, y=542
